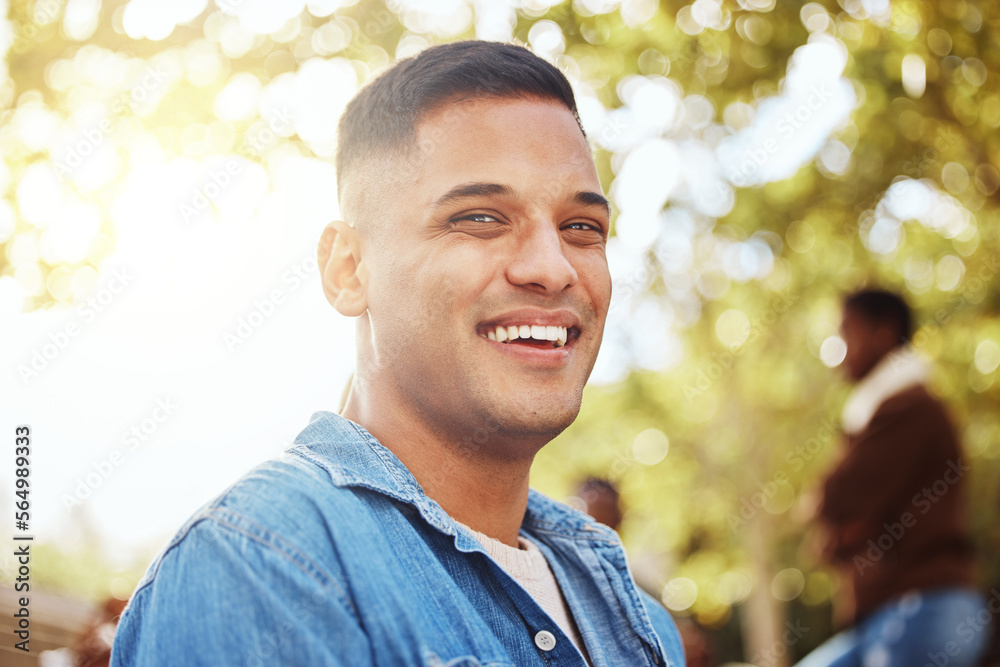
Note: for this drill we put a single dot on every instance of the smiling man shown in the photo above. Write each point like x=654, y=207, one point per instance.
x=404, y=531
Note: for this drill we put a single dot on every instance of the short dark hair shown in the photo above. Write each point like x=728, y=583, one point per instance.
x=383, y=117
x=878, y=306
x=598, y=485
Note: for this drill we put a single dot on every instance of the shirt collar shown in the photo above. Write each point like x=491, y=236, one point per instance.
x=354, y=457
x=899, y=370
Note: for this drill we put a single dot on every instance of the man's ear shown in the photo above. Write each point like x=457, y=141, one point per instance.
x=344, y=276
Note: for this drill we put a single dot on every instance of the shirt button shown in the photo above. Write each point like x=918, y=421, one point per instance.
x=545, y=640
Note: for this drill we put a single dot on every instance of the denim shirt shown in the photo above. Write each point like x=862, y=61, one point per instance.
x=333, y=555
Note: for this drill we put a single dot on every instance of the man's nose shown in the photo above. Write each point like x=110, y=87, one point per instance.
x=540, y=261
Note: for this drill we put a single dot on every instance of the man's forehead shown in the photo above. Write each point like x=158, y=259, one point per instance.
x=481, y=143
x=522, y=143
x=479, y=120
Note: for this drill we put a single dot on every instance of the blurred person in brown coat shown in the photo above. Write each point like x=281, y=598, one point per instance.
x=893, y=507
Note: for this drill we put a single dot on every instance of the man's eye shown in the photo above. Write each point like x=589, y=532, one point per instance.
x=483, y=225
x=585, y=226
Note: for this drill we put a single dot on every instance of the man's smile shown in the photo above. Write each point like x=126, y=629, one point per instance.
x=532, y=327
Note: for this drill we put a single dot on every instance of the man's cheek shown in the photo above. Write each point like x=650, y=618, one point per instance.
x=602, y=291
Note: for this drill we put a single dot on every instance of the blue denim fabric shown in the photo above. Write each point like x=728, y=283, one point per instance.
x=938, y=628
x=333, y=555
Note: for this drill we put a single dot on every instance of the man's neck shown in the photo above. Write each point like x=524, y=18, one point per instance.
x=487, y=493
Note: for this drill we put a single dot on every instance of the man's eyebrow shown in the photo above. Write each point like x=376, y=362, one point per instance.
x=592, y=199
x=467, y=190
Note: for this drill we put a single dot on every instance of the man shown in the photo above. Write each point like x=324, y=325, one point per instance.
x=894, y=506
x=404, y=532
x=602, y=501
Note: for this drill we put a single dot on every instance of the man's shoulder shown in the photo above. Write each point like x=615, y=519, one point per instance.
x=246, y=569
x=317, y=476
x=915, y=396
x=262, y=504
x=277, y=490
x=666, y=629
x=916, y=403
x=292, y=504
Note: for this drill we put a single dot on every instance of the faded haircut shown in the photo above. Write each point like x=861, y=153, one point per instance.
x=380, y=123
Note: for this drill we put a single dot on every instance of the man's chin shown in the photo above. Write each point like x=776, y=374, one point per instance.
x=542, y=416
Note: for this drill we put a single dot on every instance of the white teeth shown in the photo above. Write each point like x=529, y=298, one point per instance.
x=505, y=334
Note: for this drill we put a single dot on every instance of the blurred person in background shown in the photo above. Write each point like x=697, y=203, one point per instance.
x=93, y=648
x=697, y=644
x=602, y=501
x=403, y=531
x=893, y=508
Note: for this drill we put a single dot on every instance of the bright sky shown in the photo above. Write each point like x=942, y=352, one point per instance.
x=147, y=343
